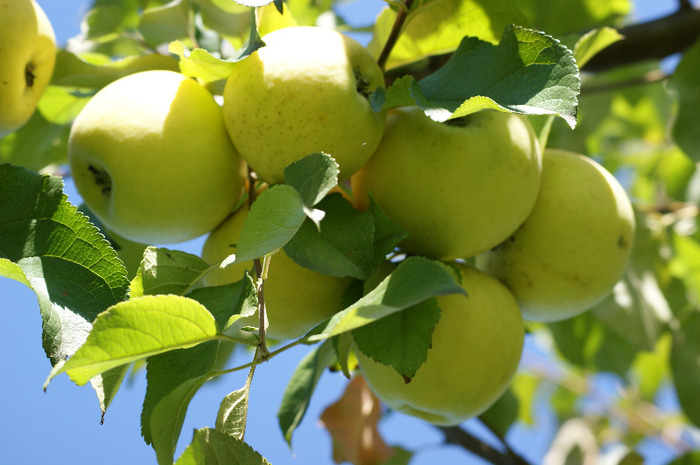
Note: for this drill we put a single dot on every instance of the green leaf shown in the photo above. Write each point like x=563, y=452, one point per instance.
x=502, y=413
x=685, y=366
x=274, y=218
x=233, y=412
x=107, y=384
x=401, y=340
x=48, y=240
x=60, y=105
x=107, y=18
x=200, y=64
x=416, y=279
x=173, y=379
x=297, y=395
x=686, y=131
x=72, y=71
x=209, y=447
x=436, y=26
x=528, y=72
x=342, y=247
x=151, y=324
x=312, y=176
x=387, y=234
x=685, y=262
x=593, y=42
x=165, y=23
x=37, y=145
x=689, y=458
x=165, y=271
x=573, y=15
x=229, y=302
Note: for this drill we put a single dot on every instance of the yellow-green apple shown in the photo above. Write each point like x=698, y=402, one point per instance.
x=28, y=51
x=573, y=248
x=151, y=158
x=475, y=352
x=457, y=188
x=305, y=91
x=296, y=298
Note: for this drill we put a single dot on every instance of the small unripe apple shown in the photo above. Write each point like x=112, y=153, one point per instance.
x=151, y=158
x=28, y=54
x=457, y=188
x=574, y=246
x=476, y=349
x=296, y=298
x=305, y=91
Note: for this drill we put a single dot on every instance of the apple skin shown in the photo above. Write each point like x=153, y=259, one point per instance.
x=476, y=349
x=296, y=298
x=151, y=158
x=457, y=190
x=574, y=246
x=28, y=51
x=304, y=92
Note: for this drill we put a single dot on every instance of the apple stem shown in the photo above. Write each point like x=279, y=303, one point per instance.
x=401, y=16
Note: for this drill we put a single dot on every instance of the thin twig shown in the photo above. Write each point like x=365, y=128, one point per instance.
x=263, y=352
x=401, y=16
x=509, y=451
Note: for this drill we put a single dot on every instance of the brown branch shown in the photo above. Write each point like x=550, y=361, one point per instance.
x=458, y=437
x=645, y=41
x=263, y=351
x=401, y=16
x=650, y=41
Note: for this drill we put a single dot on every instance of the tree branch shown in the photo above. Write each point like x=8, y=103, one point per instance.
x=650, y=41
x=457, y=436
x=645, y=41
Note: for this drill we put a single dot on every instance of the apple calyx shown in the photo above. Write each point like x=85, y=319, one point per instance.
x=29, y=75
x=363, y=85
x=102, y=179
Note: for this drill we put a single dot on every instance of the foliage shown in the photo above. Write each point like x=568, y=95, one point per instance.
x=452, y=58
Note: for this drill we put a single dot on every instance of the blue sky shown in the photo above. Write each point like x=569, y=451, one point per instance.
x=62, y=425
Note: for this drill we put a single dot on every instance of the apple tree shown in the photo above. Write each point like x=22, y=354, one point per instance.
x=470, y=210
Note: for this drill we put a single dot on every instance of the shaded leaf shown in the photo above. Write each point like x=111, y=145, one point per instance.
x=593, y=42
x=274, y=218
x=341, y=245
x=72, y=71
x=297, y=395
x=352, y=423
x=402, y=339
x=173, y=379
x=312, y=176
x=685, y=366
x=686, y=131
x=48, y=239
x=528, y=72
x=437, y=26
x=165, y=23
x=165, y=271
x=416, y=279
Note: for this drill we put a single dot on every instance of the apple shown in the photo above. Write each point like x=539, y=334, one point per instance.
x=306, y=91
x=296, y=298
x=28, y=51
x=458, y=188
x=151, y=158
x=476, y=349
x=574, y=246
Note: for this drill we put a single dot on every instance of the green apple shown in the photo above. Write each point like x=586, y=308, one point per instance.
x=574, y=246
x=296, y=298
x=151, y=158
x=28, y=51
x=306, y=91
x=476, y=349
x=457, y=188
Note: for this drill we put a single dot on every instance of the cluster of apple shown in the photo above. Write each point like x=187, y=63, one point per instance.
x=547, y=233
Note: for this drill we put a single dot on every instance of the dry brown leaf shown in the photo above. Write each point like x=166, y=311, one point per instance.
x=352, y=423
